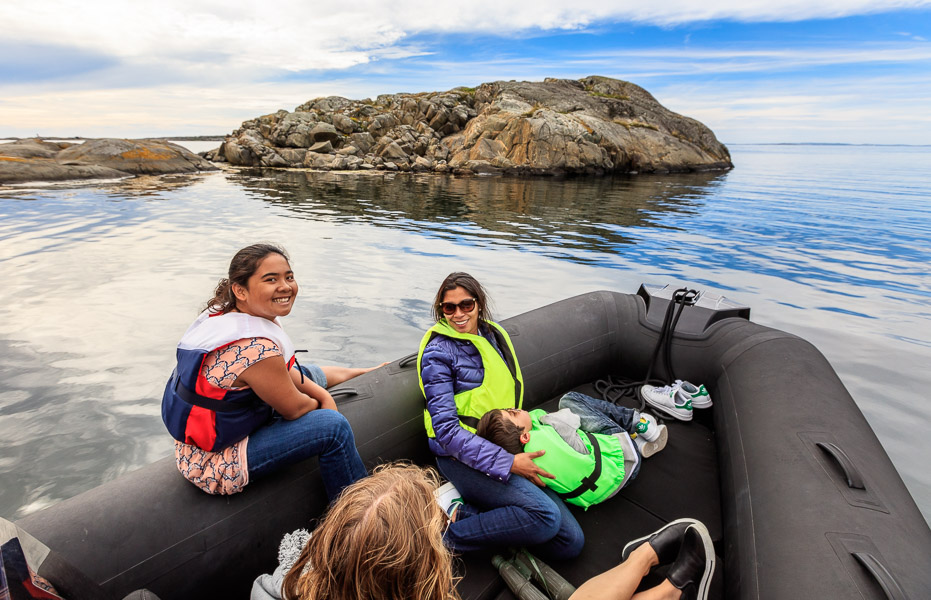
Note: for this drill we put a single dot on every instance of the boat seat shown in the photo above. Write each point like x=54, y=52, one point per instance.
x=681, y=481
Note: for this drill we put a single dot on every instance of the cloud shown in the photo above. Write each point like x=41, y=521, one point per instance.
x=204, y=66
x=38, y=62
x=295, y=35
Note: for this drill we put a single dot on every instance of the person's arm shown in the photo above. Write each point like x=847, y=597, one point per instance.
x=567, y=424
x=270, y=380
x=476, y=452
x=336, y=375
x=525, y=467
x=314, y=390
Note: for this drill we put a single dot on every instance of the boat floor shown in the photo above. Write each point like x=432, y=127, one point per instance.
x=680, y=481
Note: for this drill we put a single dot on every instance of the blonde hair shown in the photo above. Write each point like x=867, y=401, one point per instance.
x=381, y=538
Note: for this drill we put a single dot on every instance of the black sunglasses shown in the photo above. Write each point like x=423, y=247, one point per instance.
x=466, y=306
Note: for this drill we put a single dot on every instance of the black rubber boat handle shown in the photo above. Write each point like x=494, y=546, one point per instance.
x=343, y=392
x=407, y=360
x=881, y=574
x=854, y=479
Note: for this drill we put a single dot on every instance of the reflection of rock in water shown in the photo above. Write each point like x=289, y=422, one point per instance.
x=551, y=215
x=55, y=444
x=150, y=185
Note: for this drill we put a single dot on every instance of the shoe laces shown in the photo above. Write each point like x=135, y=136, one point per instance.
x=669, y=389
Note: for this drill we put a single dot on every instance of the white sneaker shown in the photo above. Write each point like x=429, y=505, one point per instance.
x=449, y=499
x=650, y=447
x=647, y=427
x=697, y=394
x=668, y=400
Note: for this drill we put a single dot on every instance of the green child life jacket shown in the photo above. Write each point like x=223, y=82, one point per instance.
x=502, y=386
x=581, y=479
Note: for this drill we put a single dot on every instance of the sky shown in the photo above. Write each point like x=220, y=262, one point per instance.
x=754, y=71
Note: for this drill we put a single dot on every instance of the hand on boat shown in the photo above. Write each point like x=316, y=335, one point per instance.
x=525, y=467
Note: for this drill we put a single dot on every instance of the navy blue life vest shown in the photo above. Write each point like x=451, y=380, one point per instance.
x=197, y=412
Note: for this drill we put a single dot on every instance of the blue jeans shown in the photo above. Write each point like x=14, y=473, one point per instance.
x=598, y=416
x=512, y=513
x=322, y=433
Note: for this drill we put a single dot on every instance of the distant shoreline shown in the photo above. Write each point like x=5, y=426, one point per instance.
x=826, y=144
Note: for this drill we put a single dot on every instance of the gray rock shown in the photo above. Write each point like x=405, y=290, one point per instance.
x=363, y=141
x=392, y=151
x=322, y=147
x=324, y=132
x=343, y=124
x=294, y=156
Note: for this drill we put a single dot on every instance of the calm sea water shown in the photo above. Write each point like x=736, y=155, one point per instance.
x=832, y=243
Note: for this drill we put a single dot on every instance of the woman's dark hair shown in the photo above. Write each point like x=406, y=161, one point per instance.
x=469, y=284
x=242, y=267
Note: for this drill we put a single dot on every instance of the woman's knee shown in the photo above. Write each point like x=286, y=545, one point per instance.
x=338, y=424
x=546, y=519
x=323, y=424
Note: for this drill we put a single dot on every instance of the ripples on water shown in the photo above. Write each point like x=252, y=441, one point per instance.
x=100, y=280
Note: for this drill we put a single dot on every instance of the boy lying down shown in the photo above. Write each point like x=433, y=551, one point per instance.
x=593, y=448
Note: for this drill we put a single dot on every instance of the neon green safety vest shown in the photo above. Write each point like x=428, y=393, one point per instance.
x=581, y=479
x=502, y=386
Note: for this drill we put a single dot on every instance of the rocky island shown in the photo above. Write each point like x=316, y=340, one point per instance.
x=594, y=125
x=41, y=160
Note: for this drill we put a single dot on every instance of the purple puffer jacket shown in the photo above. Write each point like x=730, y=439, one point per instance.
x=450, y=366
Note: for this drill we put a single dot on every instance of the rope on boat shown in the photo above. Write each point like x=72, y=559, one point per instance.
x=613, y=390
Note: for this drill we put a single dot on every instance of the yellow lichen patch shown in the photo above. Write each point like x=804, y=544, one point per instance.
x=640, y=124
x=146, y=154
x=13, y=159
x=585, y=125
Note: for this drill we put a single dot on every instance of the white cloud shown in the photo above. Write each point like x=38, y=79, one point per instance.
x=204, y=66
x=334, y=34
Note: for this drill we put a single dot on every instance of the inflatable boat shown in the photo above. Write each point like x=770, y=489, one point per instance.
x=801, y=499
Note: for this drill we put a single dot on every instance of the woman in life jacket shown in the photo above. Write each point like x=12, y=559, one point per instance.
x=238, y=403
x=467, y=366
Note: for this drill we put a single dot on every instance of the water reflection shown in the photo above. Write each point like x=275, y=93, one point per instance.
x=54, y=440
x=135, y=186
x=101, y=279
x=577, y=218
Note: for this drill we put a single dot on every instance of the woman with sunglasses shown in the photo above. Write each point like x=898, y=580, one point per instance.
x=238, y=404
x=467, y=366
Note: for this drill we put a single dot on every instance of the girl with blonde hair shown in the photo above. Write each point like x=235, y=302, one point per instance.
x=382, y=538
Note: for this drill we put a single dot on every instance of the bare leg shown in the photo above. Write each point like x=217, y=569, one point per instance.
x=336, y=375
x=621, y=582
x=664, y=591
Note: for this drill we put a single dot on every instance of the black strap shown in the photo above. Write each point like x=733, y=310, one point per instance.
x=470, y=421
x=510, y=361
x=203, y=401
x=587, y=484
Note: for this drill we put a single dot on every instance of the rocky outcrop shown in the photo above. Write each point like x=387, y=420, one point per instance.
x=594, y=125
x=38, y=160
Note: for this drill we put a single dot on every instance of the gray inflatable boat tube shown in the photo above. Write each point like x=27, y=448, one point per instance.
x=812, y=507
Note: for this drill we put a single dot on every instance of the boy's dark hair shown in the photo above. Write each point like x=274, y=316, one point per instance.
x=498, y=429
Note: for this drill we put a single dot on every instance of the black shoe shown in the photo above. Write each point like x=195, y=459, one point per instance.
x=694, y=566
x=665, y=540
